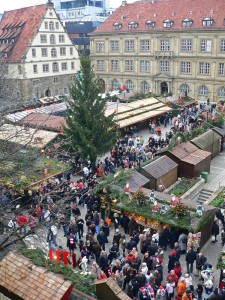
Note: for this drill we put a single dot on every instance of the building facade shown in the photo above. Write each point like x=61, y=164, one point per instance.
x=36, y=53
x=164, y=46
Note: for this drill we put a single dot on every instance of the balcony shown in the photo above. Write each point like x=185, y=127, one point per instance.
x=164, y=54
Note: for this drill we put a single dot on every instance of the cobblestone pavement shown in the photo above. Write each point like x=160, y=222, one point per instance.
x=210, y=250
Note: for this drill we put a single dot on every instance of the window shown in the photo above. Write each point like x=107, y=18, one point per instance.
x=164, y=66
x=144, y=45
x=100, y=65
x=44, y=52
x=184, y=88
x=46, y=25
x=222, y=46
x=71, y=50
x=52, y=39
x=204, y=68
x=205, y=45
x=33, y=52
x=129, y=46
x=35, y=69
x=56, y=91
x=185, y=67
x=45, y=68
x=203, y=90
x=61, y=38
x=115, y=84
x=144, y=65
x=72, y=65
x=207, y=22
x=132, y=25
x=65, y=90
x=55, y=79
x=19, y=69
x=64, y=66
x=221, y=69
x=164, y=45
x=57, y=25
x=114, y=45
x=117, y=26
x=51, y=25
x=100, y=46
x=221, y=92
x=149, y=24
x=145, y=86
x=43, y=38
x=187, y=22
x=129, y=65
x=167, y=23
x=186, y=45
x=63, y=51
x=55, y=67
x=53, y=52
x=129, y=84
x=114, y=65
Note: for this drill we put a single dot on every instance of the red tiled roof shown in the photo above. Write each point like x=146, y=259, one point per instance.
x=21, y=277
x=31, y=17
x=160, y=10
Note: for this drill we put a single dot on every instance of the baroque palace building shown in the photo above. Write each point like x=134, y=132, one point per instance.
x=164, y=46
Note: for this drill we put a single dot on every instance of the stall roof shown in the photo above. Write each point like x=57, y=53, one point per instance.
x=127, y=114
x=50, y=109
x=189, y=153
x=206, y=139
x=136, y=180
x=160, y=166
x=220, y=131
x=44, y=121
x=26, y=136
x=21, y=277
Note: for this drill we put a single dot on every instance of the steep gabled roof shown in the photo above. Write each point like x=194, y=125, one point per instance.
x=206, y=139
x=20, y=24
x=158, y=11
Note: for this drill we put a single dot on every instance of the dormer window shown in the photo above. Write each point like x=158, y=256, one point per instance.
x=187, y=22
x=207, y=22
x=167, y=23
x=132, y=25
x=149, y=24
x=117, y=26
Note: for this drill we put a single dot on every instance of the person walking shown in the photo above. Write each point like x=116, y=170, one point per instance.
x=54, y=232
x=101, y=238
x=215, y=231
x=80, y=226
x=190, y=258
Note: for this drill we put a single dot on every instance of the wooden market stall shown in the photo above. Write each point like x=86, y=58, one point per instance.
x=148, y=217
x=191, y=160
x=208, y=141
x=162, y=172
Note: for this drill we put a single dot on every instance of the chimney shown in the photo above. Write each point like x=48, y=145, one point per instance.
x=124, y=2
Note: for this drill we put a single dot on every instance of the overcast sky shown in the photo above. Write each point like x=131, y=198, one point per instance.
x=13, y=4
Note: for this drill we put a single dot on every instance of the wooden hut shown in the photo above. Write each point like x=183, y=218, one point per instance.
x=191, y=160
x=221, y=132
x=208, y=141
x=160, y=172
x=109, y=289
x=137, y=180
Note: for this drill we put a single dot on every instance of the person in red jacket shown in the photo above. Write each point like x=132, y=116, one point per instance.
x=22, y=221
x=102, y=275
x=172, y=276
x=177, y=269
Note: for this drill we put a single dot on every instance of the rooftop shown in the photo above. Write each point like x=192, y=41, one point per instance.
x=160, y=166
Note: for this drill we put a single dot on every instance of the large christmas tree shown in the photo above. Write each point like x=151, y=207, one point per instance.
x=88, y=131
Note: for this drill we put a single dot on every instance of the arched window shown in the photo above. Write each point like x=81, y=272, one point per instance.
x=184, y=88
x=55, y=67
x=57, y=25
x=53, y=52
x=132, y=25
x=207, y=22
x=117, y=26
x=203, y=90
x=221, y=92
x=52, y=39
x=167, y=23
x=51, y=25
x=115, y=84
x=187, y=22
x=130, y=84
x=145, y=86
x=149, y=24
